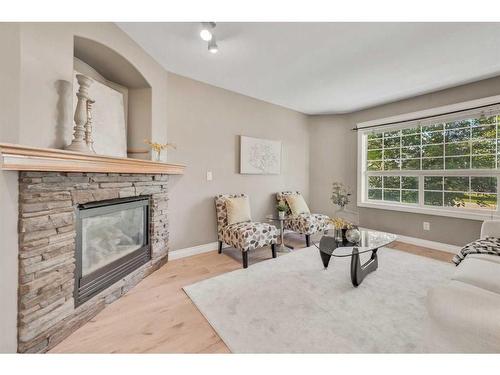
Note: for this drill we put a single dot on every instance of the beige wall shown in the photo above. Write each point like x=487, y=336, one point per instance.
x=136, y=115
x=336, y=160
x=205, y=122
x=9, y=128
x=333, y=154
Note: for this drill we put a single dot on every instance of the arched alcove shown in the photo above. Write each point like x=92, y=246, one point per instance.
x=117, y=69
x=109, y=63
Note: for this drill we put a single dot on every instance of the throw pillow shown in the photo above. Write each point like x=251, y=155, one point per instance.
x=297, y=204
x=238, y=210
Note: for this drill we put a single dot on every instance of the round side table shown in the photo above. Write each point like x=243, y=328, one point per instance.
x=282, y=247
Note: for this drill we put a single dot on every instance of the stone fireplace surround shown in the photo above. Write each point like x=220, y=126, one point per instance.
x=47, y=206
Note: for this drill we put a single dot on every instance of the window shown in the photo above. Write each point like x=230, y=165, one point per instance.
x=445, y=165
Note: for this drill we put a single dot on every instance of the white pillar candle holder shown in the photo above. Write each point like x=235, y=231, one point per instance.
x=78, y=143
x=88, y=126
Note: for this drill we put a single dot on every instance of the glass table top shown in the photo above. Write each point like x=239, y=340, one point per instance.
x=369, y=241
x=276, y=218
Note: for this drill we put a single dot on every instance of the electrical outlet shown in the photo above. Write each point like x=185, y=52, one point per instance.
x=427, y=225
x=209, y=176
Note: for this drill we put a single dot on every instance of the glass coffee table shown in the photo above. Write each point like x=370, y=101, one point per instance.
x=370, y=241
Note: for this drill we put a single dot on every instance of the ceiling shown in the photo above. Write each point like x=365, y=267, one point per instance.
x=319, y=68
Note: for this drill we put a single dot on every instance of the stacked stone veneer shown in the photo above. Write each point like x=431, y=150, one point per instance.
x=47, y=207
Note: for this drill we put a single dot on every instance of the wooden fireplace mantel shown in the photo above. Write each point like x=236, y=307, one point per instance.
x=23, y=158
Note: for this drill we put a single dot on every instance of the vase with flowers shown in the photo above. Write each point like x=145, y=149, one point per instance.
x=340, y=195
x=159, y=147
x=340, y=226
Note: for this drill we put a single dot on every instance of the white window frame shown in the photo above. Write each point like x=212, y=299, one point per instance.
x=362, y=191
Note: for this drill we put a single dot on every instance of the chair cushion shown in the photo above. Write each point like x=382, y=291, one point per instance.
x=307, y=223
x=249, y=235
x=238, y=210
x=281, y=198
x=297, y=204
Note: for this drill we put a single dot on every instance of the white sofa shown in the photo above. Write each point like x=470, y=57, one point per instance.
x=464, y=313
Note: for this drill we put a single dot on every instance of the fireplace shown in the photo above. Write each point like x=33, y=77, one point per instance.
x=112, y=240
x=85, y=240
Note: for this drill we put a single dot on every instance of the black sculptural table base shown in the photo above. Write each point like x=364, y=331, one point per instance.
x=358, y=270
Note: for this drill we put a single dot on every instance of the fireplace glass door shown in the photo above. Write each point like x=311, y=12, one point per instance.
x=108, y=237
x=112, y=241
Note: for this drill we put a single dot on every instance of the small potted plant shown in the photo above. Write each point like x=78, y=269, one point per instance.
x=282, y=209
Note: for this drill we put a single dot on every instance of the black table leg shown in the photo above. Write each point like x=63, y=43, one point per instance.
x=358, y=270
x=325, y=258
x=327, y=245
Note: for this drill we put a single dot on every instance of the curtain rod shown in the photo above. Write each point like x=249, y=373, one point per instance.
x=425, y=117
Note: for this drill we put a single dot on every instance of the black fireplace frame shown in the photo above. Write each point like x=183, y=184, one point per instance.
x=90, y=285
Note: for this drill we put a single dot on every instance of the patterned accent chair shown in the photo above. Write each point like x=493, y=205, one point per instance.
x=244, y=236
x=305, y=223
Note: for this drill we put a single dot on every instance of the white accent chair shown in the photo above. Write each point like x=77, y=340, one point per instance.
x=464, y=312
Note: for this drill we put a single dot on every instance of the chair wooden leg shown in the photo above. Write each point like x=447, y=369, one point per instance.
x=220, y=247
x=273, y=250
x=308, y=240
x=245, y=258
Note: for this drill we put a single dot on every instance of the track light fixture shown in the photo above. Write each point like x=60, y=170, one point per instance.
x=206, y=32
x=212, y=45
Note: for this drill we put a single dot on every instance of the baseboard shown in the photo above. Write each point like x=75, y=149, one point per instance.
x=194, y=250
x=427, y=243
x=189, y=251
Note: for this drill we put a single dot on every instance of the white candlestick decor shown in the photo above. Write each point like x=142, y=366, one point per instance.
x=88, y=126
x=78, y=143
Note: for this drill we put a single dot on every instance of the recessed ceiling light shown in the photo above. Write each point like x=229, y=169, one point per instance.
x=206, y=31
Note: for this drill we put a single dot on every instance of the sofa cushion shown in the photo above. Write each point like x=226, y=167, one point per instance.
x=297, y=204
x=463, y=318
x=238, y=210
x=480, y=272
x=488, y=245
x=485, y=257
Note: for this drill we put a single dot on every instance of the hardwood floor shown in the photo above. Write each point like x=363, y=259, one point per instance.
x=423, y=251
x=158, y=317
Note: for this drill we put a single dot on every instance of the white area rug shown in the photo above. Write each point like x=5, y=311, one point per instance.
x=292, y=305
